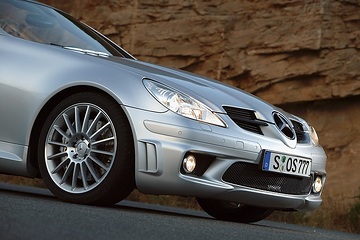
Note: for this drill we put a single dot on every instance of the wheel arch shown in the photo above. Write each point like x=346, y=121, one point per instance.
x=32, y=157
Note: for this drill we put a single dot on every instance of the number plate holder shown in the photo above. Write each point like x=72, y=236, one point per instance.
x=286, y=164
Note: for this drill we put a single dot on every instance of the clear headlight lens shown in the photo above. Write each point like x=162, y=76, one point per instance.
x=182, y=104
x=314, y=137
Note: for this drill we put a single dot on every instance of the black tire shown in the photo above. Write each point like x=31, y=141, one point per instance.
x=85, y=150
x=229, y=211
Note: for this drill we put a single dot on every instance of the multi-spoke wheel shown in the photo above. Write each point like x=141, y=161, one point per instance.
x=86, y=150
x=231, y=211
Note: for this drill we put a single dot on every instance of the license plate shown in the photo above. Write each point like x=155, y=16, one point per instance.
x=287, y=164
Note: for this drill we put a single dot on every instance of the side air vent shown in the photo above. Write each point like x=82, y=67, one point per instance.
x=246, y=119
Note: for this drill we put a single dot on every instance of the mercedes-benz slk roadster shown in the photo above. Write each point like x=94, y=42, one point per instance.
x=95, y=123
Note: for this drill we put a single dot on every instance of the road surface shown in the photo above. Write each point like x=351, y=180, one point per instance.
x=34, y=213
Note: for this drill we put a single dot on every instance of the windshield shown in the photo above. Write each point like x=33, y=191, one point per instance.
x=38, y=23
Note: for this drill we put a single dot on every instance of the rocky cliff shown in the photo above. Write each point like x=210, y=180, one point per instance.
x=300, y=55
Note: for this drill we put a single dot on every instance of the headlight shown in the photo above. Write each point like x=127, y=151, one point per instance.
x=182, y=104
x=314, y=137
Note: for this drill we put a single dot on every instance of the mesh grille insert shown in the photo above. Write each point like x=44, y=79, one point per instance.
x=250, y=175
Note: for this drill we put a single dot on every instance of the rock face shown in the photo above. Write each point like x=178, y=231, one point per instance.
x=301, y=55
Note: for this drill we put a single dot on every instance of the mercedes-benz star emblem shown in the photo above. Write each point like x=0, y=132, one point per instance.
x=284, y=125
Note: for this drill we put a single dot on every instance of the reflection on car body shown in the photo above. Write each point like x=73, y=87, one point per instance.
x=95, y=123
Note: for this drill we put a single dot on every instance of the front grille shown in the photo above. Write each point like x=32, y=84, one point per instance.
x=250, y=175
x=246, y=119
x=301, y=135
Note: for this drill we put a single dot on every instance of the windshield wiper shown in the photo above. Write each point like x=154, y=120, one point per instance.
x=83, y=51
x=88, y=52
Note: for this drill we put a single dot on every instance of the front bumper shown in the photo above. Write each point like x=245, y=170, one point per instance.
x=161, y=147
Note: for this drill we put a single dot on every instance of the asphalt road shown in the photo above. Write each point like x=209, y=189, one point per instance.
x=33, y=213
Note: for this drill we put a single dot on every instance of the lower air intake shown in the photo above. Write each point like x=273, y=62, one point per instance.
x=250, y=175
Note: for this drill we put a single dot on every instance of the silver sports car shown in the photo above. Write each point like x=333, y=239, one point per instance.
x=83, y=114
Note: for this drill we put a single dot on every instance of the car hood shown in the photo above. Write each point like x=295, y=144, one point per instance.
x=213, y=93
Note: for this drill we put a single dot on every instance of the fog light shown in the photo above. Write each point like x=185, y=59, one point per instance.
x=189, y=164
x=317, y=185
